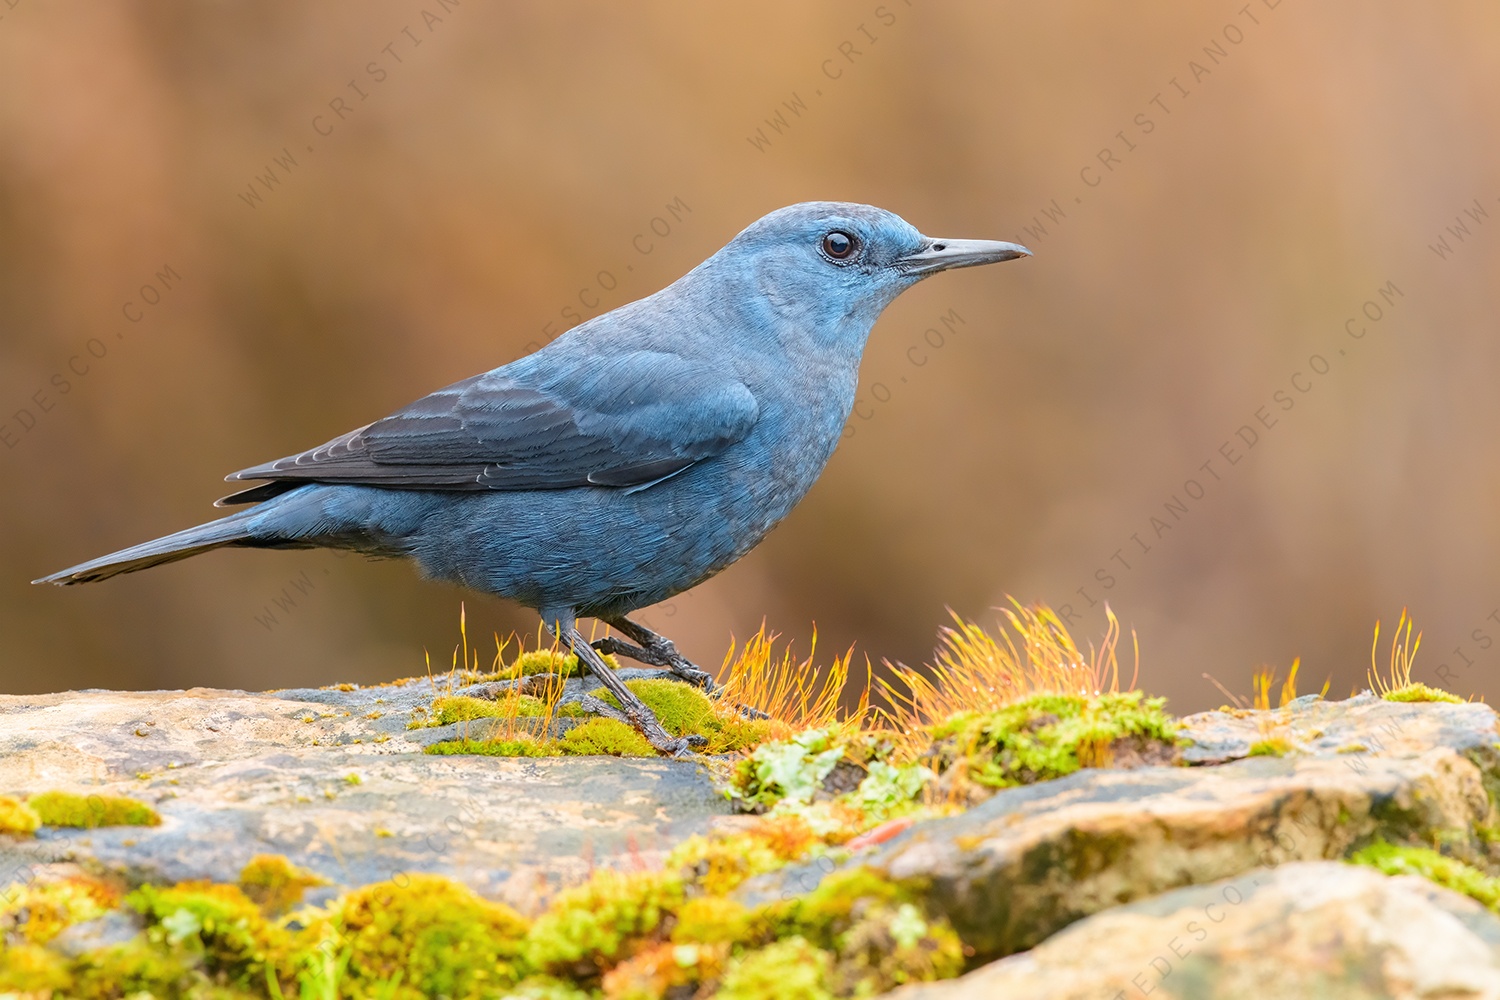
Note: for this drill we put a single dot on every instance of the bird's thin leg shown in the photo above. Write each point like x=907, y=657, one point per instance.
x=636, y=712
x=653, y=649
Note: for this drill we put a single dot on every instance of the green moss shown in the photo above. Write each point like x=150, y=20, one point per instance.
x=1273, y=747
x=494, y=748
x=67, y=809
x=462, y=708
x=31, y=970
x=712, y=920
x=734, y=734
x=1421, y=692
x=548, y=661
x=679, y=707
x=593, y=923
x=275, y=884
x=875, y=929
x=1048, y=736
x=793, y=969
x=437, y=936
x=211, y=924
x=36, y=912
x=545, y=988
x=605, y=737
x=683, y=709
x=17, y=818
x=140, y=968
x=596, y=737
x=1445, y=871
x=719, y=864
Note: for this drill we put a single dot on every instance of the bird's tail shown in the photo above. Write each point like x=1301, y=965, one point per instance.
x=180, y=545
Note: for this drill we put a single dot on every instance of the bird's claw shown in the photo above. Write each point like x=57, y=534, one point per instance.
x=681, y=747
x=659, y=654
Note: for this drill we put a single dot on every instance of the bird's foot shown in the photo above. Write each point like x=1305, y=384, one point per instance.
x=662, y=741
x=659, y=653
x=632, y=711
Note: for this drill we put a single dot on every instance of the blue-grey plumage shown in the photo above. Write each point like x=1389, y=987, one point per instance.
x=631, y=458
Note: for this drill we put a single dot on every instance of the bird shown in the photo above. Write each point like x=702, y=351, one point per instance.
x=629, y=459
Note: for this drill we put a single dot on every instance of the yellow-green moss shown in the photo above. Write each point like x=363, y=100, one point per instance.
x=718, y=864
x=213, y=924
x=683, y=710
x=548, y=661
x=793, y=969
x=545, y=988
x=68, y=809
x=592, y=923
x=679, y=707
x=462, y=708
x=605, y=736
x=1275, y=746
x=141, y=968
x=438, y=935
x=1421, y=692
x=875, y=929
x=1445, y=871
x=712, y=920
x=1049, y=736
x=37, y=912
x=29, y=970
x=16, y=817
x=495, y=748
x=275, y=884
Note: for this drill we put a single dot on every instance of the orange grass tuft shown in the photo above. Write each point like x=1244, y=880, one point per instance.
x=979, y=672
x=794, y=694
x=1403, y=656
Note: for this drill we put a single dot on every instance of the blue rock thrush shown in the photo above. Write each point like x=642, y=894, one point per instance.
x=631, y=458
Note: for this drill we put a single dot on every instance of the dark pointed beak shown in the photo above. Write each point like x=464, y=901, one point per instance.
x=942, y=255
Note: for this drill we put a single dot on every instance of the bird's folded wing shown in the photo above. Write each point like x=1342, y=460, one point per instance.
x=627, y=420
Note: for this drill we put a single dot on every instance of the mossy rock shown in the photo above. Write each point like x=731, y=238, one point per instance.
x=1050, y=736
x=684, y=710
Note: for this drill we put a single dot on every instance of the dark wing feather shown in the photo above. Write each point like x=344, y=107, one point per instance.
x=625, y=421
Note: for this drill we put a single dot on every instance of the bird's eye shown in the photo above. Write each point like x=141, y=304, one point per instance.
x=838, y=245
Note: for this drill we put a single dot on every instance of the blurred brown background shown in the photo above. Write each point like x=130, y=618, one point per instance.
x=229, y=231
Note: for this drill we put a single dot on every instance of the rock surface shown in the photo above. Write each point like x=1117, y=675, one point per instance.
x=1098, y=873
x=1313, y=929
x=334, y=780
x=1022, y=865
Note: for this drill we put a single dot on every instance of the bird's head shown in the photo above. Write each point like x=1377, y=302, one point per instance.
x=832, y=267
